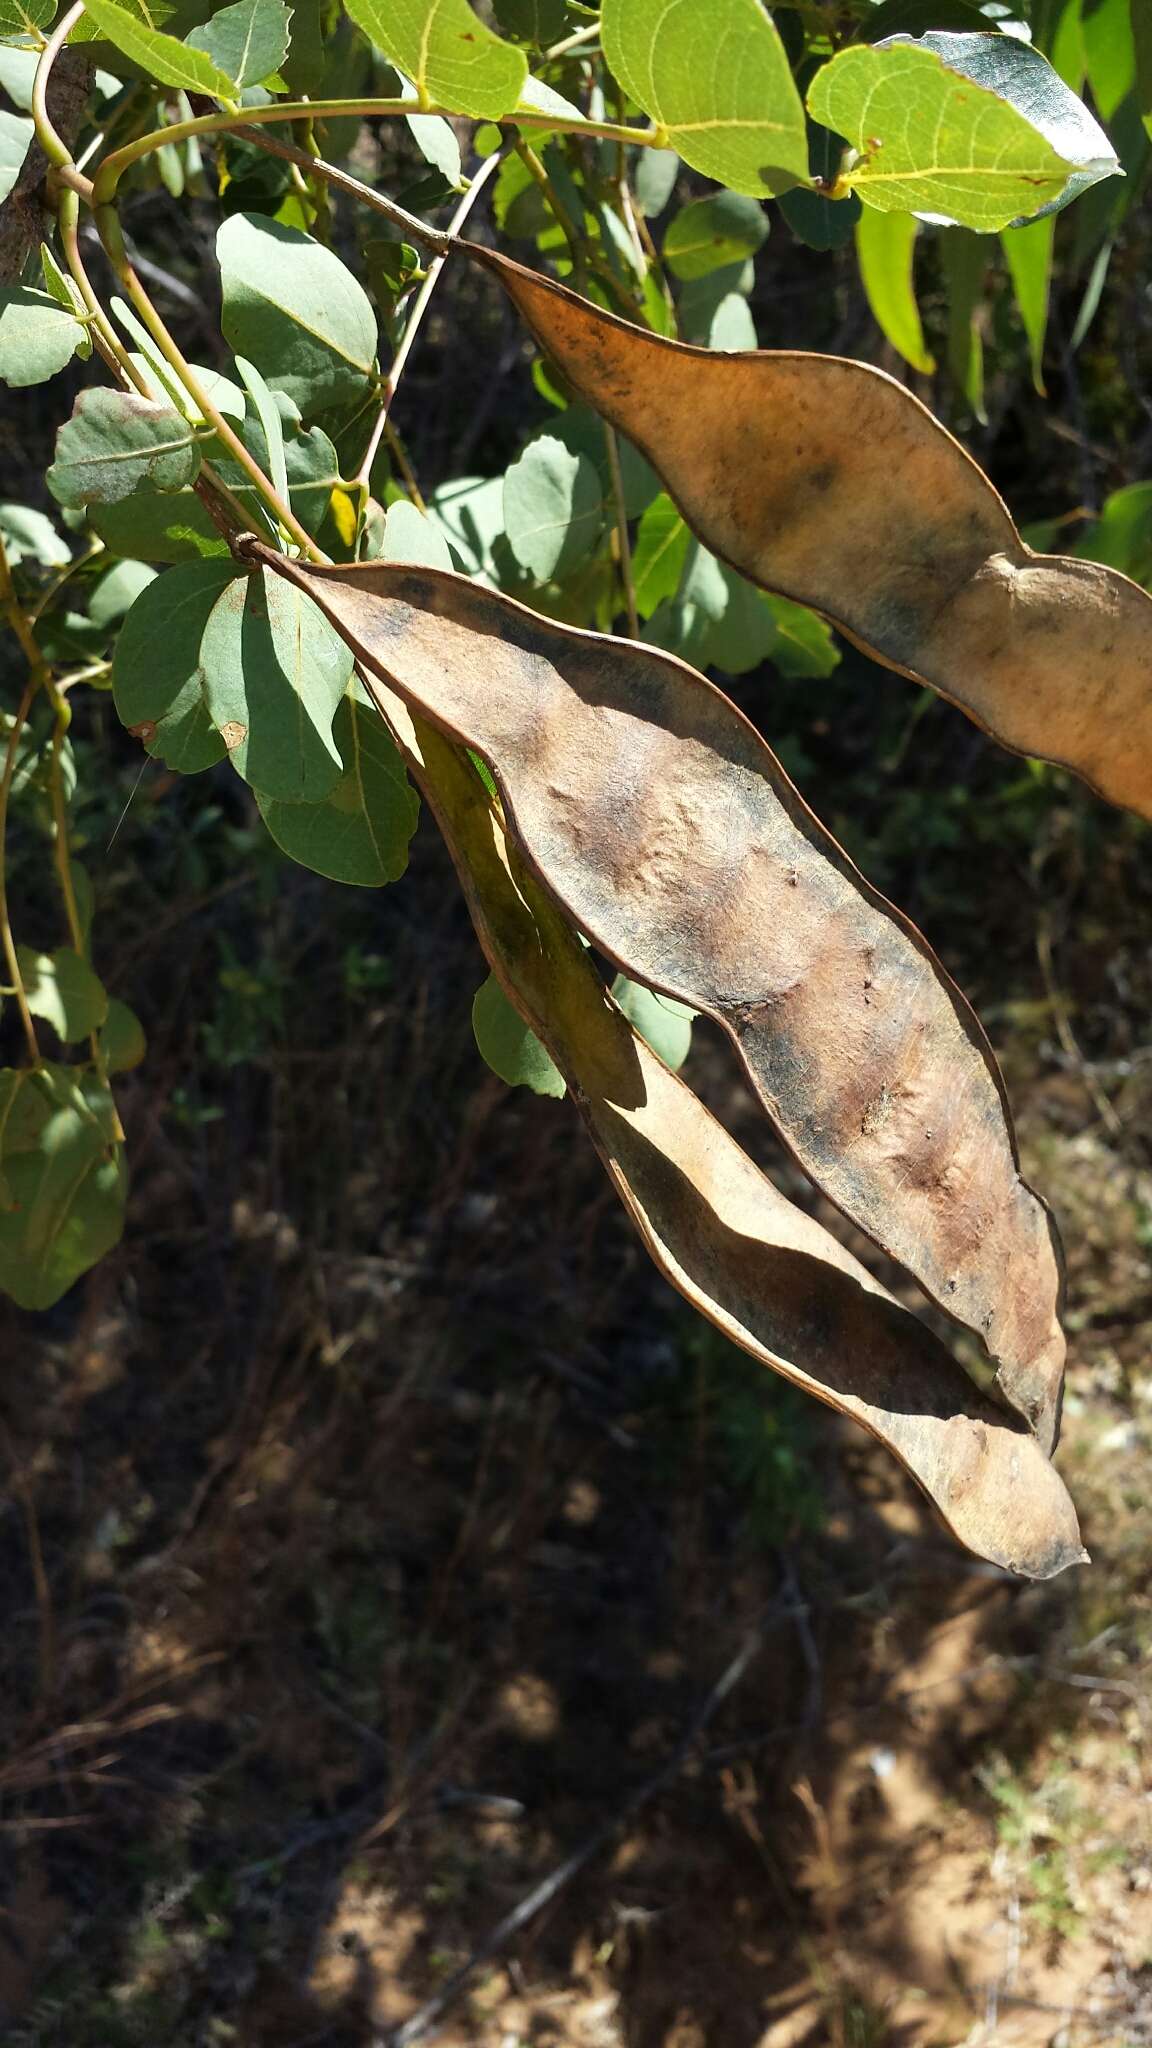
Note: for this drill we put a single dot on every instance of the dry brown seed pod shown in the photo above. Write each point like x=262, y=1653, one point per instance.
x=828, y=482
x=656, y=816
x=771, y=1278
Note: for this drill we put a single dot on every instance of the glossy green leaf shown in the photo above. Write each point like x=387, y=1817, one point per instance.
x=122, y=1041
x=19, y=18
x=360, y=833
x=506, y=1044
x=274, y=675
x=61, y=988
x=976, y=130
x=157, y=679
x=708, y=234
x=885, y=251
x=161, y=56
x=115, y=443
x=662, y=1022
x=553, y=508
x=37, y=336
x=1028, y=252
x=246, y=41
x=292, y=308
x=717, y=79
x=62, y=1181
x=454, y=60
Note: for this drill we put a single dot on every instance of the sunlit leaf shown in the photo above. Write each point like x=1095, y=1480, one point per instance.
x=245, y=41
x=717, y=80
x=161, y=56
x=454, y=61
x=977, y=130
x=62, y=988
x=37, y=336
x=663, y=1024
x=509, y=1046
x=553, y=508
x=1029, y=256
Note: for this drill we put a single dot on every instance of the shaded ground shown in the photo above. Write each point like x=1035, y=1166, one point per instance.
x=378, y=1526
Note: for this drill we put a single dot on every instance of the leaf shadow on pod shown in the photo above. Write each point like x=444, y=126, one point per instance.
x=826, y=481
x=656, y=816
x=767, y=1275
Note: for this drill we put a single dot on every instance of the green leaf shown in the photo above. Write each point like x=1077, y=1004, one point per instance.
x=122, y=1041
x=19, y=18
x=505, y=1042
x=1110, y=51
x=1142, y=45
x=177, y=528
x=295, y=311
x=974, y=130
x=117, y=442
x=157, y=680
x=62, y=1181
x=553, y=508
x=246, y=41
x=885, y=246
x=708, y=234
x=655, y=179
x=731, y=326
x=964, y=263
x=659, y=555
x=662, y=1022
x=274, y=674
x=15, y=135
x=411, y=536
x=534, y=21
x=454, y=61
x=271, y=424
x=716, y=78
x=804, y=643
x=1028, y=252
x=470, y=511
x=30, y=533
x=37, y=336
x=360, y=833
x=160, y=55
x=117, y=590
x=1122, y=536
x=61, y=988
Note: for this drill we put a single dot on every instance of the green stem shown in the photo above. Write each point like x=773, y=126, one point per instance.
x=108, y=227
x=113, y=167
x=55, y=148
x=419, y=308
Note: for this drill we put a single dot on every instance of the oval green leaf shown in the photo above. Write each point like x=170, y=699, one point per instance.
x=717, y=80
x=509, y=1046
x=360, y=833
x=553, y=508
x=162, y=57
x=37, y=336
x=274, y=674
x=157, y=680
x=295, y=311
x=246, y=41
x=453, y=60
x=117, y=442
x=62, y=1181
